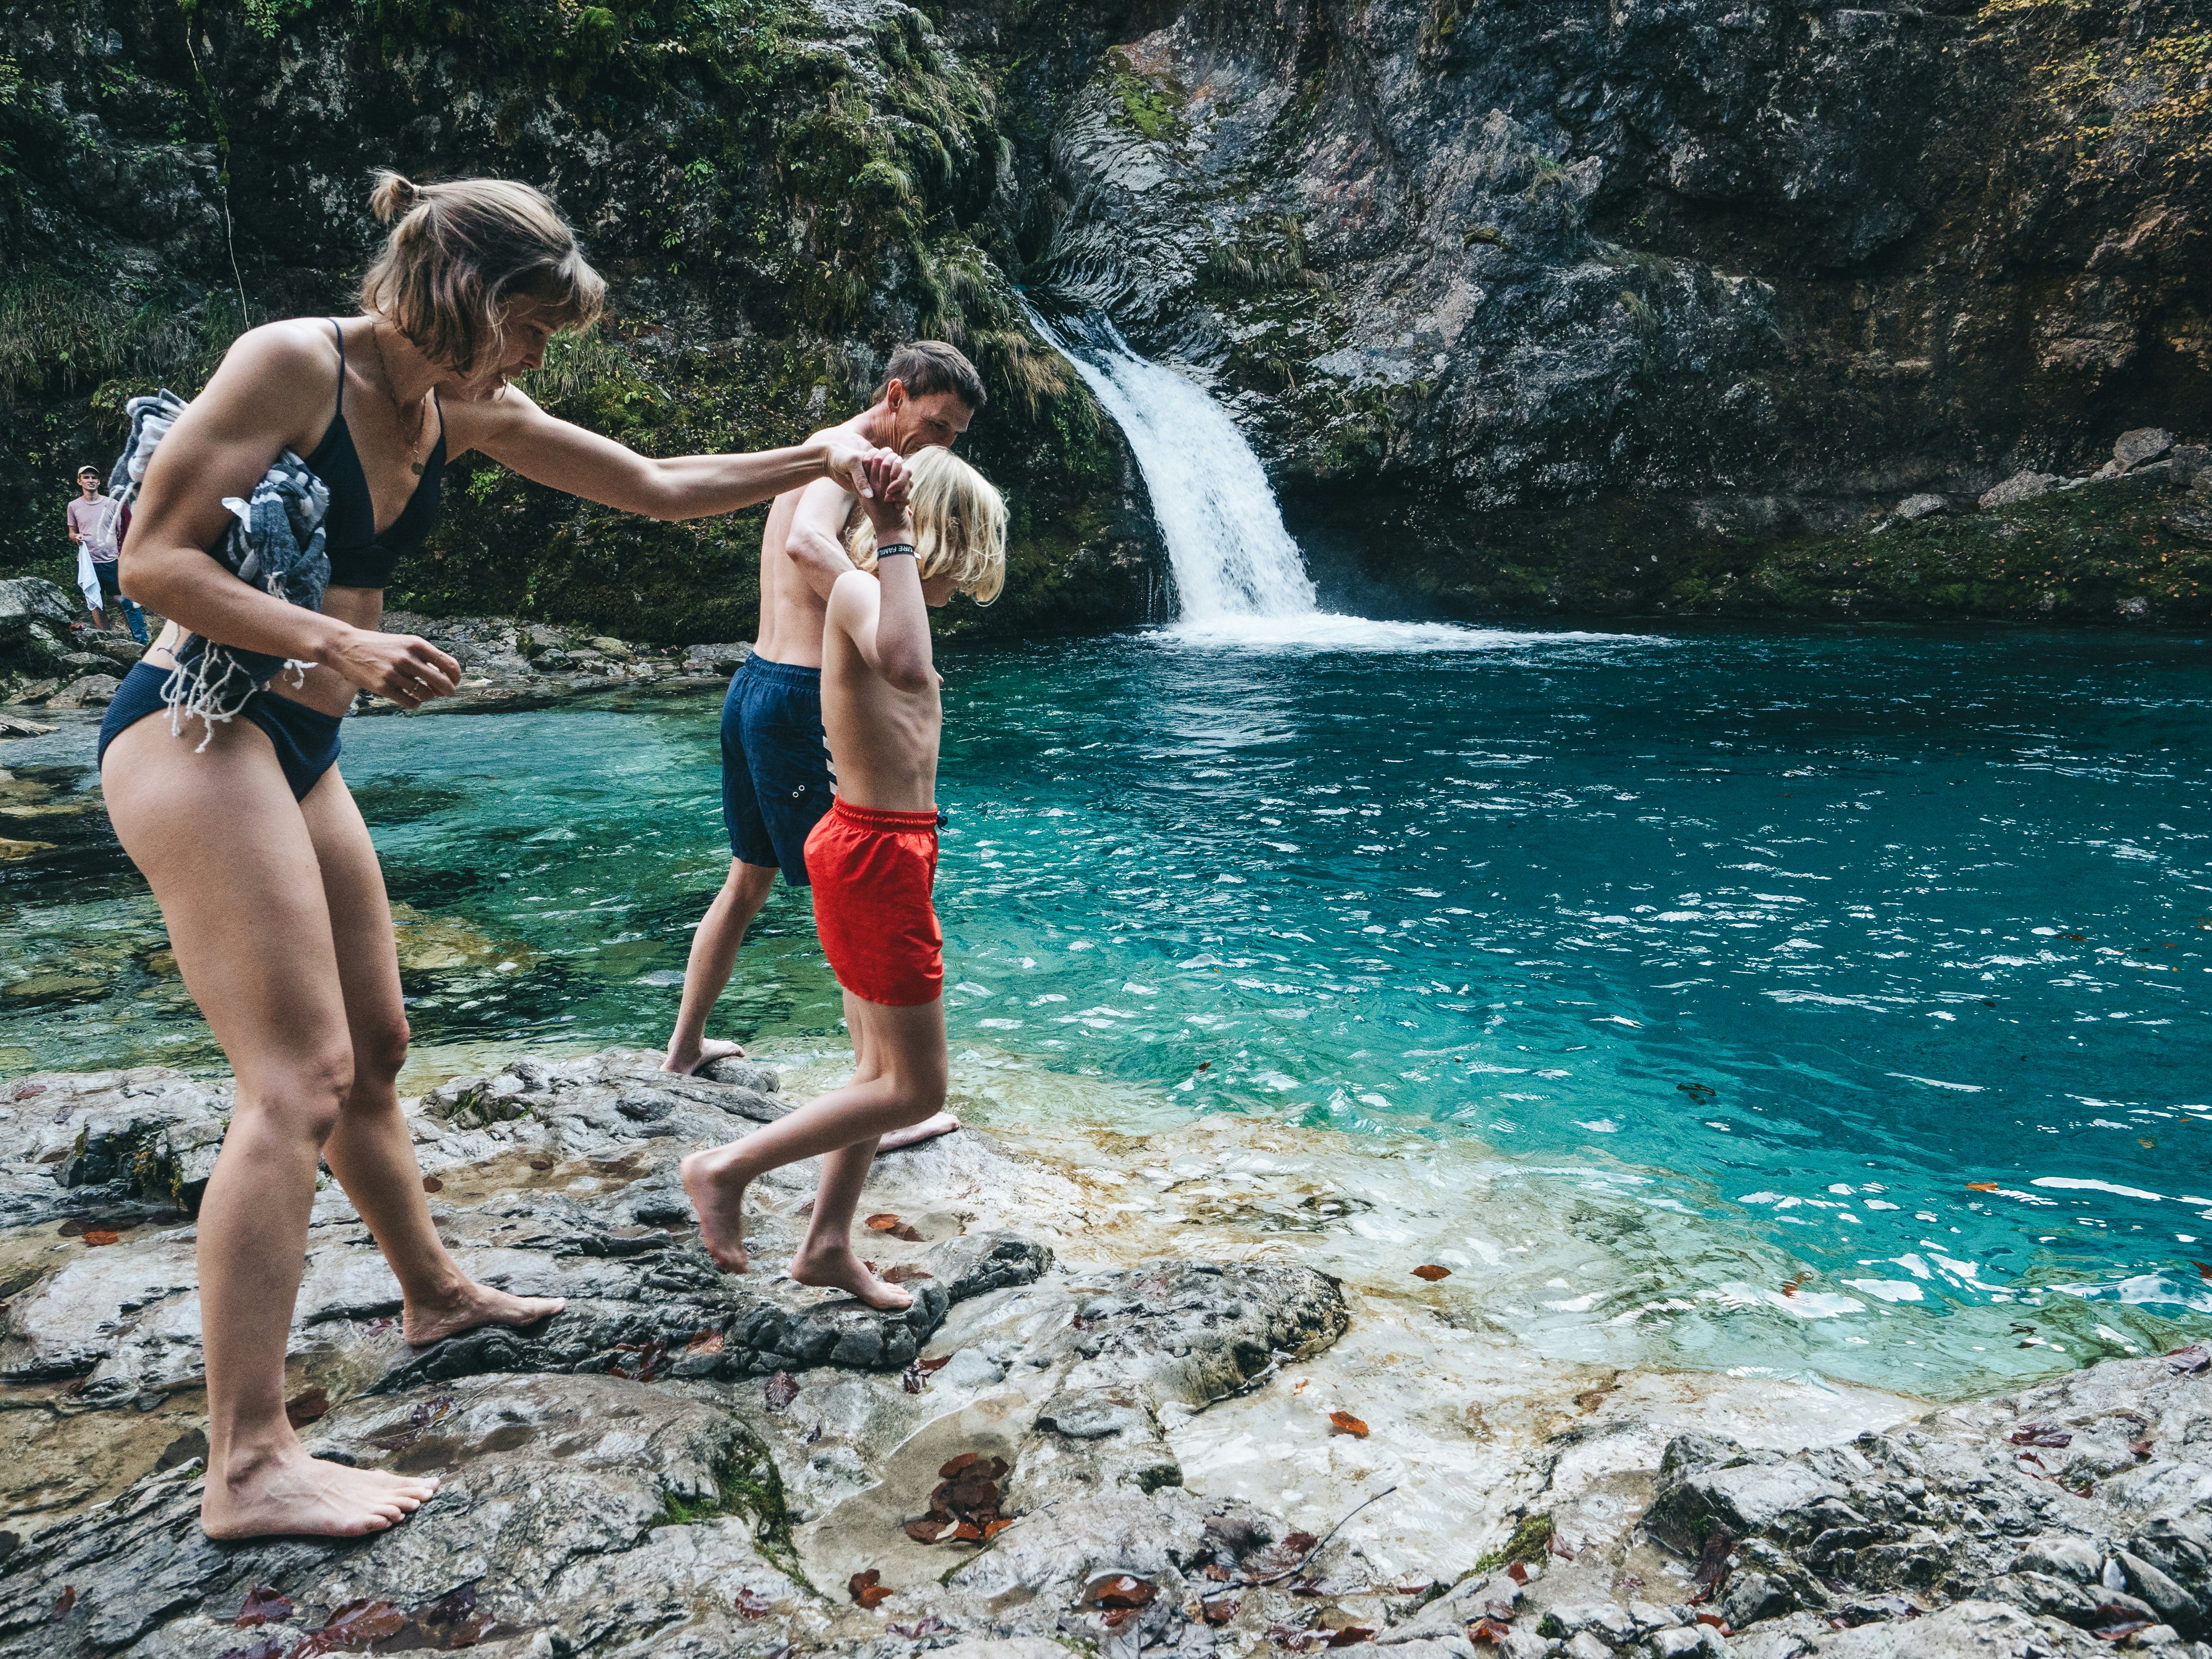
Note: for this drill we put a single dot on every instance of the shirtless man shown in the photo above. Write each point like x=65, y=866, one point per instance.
x=873, y=857
x=776, y=776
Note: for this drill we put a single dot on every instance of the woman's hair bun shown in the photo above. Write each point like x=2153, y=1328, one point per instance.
x=392, y=197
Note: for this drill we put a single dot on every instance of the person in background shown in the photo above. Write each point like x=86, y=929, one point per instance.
x=97, y=528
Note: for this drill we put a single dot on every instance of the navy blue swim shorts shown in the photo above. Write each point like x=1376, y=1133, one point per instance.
x=776, y=764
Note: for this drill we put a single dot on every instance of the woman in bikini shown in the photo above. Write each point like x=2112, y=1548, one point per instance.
x=264, y=871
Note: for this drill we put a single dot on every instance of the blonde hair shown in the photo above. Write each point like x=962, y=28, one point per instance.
x=959, y=526
x=460, y=254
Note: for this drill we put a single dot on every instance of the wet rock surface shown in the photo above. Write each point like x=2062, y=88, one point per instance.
x=506, y=663
x=688, y=1463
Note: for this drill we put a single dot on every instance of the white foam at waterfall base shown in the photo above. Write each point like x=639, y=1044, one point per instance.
x=1240, y=577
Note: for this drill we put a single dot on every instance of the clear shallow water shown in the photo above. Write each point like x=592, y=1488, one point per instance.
x=1700, y=997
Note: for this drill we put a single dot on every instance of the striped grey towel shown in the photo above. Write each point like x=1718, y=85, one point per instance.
x=274, y=541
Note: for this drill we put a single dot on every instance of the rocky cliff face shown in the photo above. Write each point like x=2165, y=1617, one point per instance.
x=1552, y=294
x=1628, y=274
x=778, y=194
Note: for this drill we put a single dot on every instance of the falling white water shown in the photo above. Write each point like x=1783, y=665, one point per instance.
x=1239, y=575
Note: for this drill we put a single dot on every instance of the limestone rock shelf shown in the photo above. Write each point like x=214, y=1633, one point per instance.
x=686, y=1462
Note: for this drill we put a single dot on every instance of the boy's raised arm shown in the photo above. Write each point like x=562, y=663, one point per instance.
x=887, y=618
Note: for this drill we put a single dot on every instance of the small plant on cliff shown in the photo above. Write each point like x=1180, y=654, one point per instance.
x=1153, y=107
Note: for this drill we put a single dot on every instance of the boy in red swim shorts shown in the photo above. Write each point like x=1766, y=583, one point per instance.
x=872, y=861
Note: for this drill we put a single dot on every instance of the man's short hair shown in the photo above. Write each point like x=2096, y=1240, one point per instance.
x=926, y=366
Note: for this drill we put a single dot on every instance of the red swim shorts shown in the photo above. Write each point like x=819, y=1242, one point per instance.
x=872, y=872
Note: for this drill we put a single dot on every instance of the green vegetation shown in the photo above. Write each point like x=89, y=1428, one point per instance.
x=1151, y=108
x=748, y=1485
x=772, y=209
x=1528, y=1541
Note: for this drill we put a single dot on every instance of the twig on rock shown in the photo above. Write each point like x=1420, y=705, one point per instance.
x=1300, y=1565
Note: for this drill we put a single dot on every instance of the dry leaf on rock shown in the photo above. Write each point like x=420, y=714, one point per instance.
x=353, y=1627
x=867, y=1589
x=751, y=1604
x=302, y=1409
x=1345, y=1423
x=781, y=1389
x=1430, y=1271
x=264, y=1605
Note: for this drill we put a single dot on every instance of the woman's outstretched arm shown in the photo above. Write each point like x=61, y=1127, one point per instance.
x=518, y=435
x=274, y=392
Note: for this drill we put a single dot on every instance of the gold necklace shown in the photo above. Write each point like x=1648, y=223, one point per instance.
x=421, y=417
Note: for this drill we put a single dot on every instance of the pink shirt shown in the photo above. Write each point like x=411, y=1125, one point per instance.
x=85, y=518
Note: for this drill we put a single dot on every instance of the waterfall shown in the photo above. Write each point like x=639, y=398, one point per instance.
x=1240, y=577
x=1233, y=558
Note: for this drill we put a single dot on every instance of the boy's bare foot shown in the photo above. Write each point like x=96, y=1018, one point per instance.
x=289, y=1493
x=721, y=1203
x=835, y=1267
x=928, y=1129
x=709, y=1050
x=473, y=1305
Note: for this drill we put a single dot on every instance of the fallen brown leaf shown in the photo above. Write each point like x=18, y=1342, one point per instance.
x=1430, y=1272
x=905, y=1273
x=929, y=1529
x=453, y=1620
x=264, y=1605
x=867, y=1589
x=1981, y=1186
x=64, y=1601
x=887, y=1222
x=1221, y=1609
x=1118, y=1590
x=1351, y=1635
x=100, y=1236
x=751, y=1604
x=2041, y=1434
x=1345, y=1423
x=707, y=1341
x=1516, y=1573
x=431, y=1184
x=1488, y=1629
x=352, y=1627
x=781, y=1389
x=302, y=1409
x=541, y=1163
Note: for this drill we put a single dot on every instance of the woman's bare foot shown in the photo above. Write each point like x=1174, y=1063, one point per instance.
x=928, y=1129
x=474, y=1304
x=289, y=1494
x=835, y=1267
x=710, y=1049
x=719, y=1196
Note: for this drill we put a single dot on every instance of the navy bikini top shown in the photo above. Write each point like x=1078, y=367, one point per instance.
x=359, y=556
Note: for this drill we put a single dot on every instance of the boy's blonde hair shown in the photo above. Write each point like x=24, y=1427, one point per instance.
x=460, y=254
x=959, y=526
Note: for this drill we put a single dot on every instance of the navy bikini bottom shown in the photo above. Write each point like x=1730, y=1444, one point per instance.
x=306, y=739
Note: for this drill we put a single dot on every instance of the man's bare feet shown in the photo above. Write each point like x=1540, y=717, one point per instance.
x=835, y=1267
x=719, y=1196
x=289, y=1494
x=710, y=1049
x=475, y=1305
x=928, y=1129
